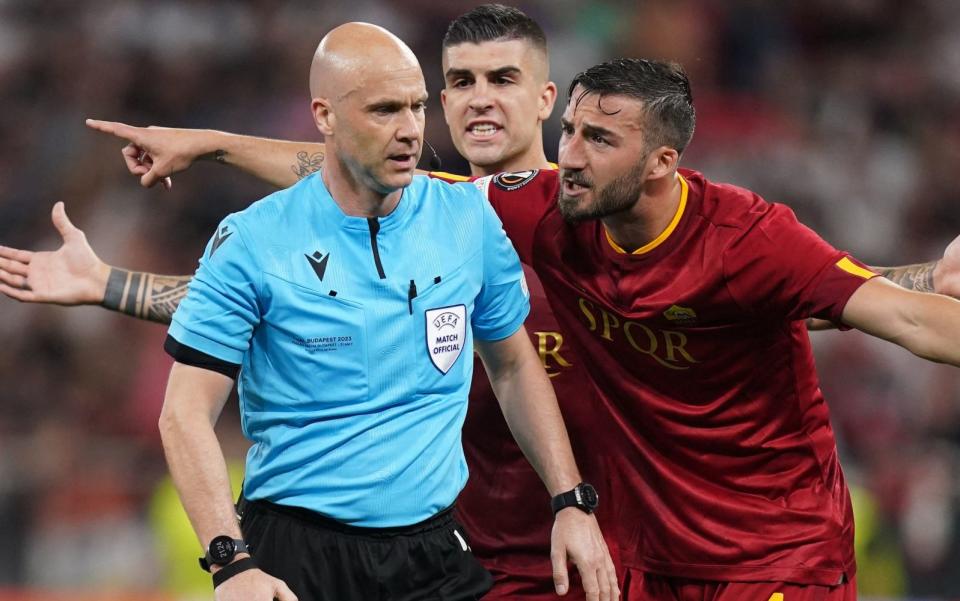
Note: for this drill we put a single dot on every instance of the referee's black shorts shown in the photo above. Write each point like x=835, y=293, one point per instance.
x=324, y=560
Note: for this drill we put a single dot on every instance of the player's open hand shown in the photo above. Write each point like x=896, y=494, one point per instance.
x=576, y=537
x=155, y=153
x=70, y=275
x=946, y=275
x=254, y=585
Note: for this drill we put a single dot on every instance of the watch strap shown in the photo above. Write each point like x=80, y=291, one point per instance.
x=232, y=569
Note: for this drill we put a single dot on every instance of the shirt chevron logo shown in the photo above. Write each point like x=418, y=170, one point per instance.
x=219, y=238
x=319, y=263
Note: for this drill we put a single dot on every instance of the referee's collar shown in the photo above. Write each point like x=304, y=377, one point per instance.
x=331, y=213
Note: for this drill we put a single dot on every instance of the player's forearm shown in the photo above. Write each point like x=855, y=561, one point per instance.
x=278, y=162
x=937, y=330
x=148, y=296
x=530, y=409
x=191, y=407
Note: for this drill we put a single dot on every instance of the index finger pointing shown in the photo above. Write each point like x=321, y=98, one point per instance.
x=114, y=128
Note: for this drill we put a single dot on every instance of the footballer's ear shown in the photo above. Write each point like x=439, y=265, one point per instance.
x=662, y=162
x=323, y=115
x=548, y=98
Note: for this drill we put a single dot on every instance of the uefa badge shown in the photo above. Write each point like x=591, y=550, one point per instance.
x=446, y=335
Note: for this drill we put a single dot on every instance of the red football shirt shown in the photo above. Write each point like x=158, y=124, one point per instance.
x=727, y=465
x=505, y=507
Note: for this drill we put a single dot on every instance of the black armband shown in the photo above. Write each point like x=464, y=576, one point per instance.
x=182, y=353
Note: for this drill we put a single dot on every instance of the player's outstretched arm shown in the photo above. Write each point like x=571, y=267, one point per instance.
x=928, y=325
x=75, y=275
x=941, y=276
x=191, y=407
x=530, y=408
x=156, y=153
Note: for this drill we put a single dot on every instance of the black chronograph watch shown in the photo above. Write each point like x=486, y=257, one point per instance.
x=221, y=551
x=584, y=497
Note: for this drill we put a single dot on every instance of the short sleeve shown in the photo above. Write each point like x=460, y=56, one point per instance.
x=521, y=199
x=504, y=299
x=782, y=269
x=221, y=309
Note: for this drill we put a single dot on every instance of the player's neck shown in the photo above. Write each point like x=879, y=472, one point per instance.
x=354, y=196
x=533, y=158
x=649, y=217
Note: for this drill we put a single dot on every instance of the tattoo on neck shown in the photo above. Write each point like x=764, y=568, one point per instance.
x=917, y=277
x=145, y=295
x=307, y=163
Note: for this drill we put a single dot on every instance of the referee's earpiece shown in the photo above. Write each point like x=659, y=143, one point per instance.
x=435, y=162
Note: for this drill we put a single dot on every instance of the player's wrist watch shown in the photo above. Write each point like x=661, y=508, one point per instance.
x=222, y=550
x=584, y=497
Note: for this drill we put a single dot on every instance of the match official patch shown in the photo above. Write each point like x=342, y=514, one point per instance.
x=446, y=335
x=514, y=181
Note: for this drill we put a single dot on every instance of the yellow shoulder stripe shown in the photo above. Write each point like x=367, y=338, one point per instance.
x=450, y=176
x=853, y=269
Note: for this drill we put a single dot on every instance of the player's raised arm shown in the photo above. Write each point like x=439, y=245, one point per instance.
x=156, y=153
x=928, y=325
x=941, y=276
x=74, y=275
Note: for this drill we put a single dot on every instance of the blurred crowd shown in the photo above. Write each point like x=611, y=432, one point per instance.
x=843, y=109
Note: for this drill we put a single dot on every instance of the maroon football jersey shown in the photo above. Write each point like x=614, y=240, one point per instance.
x=505, y=507
x=727, y=465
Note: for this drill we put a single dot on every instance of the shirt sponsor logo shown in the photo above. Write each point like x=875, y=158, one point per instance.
x=514, y=181
x=681, y=315
x=446, y=335
x=667, y=347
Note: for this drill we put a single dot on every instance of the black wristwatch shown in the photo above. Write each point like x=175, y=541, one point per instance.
x=584, y=497
x=221, y=551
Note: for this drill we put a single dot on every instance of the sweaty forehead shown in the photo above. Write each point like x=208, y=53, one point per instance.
x=493, y=55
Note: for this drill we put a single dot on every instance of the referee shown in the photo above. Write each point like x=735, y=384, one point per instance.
x=347, y=307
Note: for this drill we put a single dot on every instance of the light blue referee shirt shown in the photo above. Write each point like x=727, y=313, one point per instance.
x=355, y=340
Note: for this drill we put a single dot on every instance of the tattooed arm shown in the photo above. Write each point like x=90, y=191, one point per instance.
x=75, y=275
x=156, y=153
x=143, y=295
x=941, y=277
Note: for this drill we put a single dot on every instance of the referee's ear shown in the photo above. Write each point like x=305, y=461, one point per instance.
x=323, y=115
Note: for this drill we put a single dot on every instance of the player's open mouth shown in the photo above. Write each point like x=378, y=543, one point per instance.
x=571, y=188
x=483, y=131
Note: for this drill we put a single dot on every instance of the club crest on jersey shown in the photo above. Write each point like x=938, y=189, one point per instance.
x=681, y=315
x=514, y=181
x=446, y=335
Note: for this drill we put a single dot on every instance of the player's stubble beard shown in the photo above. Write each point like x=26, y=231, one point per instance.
x=616, y=197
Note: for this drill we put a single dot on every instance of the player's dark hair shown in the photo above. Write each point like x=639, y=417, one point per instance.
x=493, y=22
x=663, y=87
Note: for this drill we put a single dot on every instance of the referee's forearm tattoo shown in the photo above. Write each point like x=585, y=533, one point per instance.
x=917, y=277
x=307, y=163
x=145, y=295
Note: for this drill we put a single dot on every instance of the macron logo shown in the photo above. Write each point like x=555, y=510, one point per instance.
x=219, y=238
x=319, y=263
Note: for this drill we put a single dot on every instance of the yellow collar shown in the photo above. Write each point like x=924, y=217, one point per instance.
x=684, y=190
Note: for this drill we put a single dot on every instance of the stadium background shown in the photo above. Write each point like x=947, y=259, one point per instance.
x=844, y=109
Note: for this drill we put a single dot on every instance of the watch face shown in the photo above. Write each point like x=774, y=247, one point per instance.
x=589, y=496
x=222, y=549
